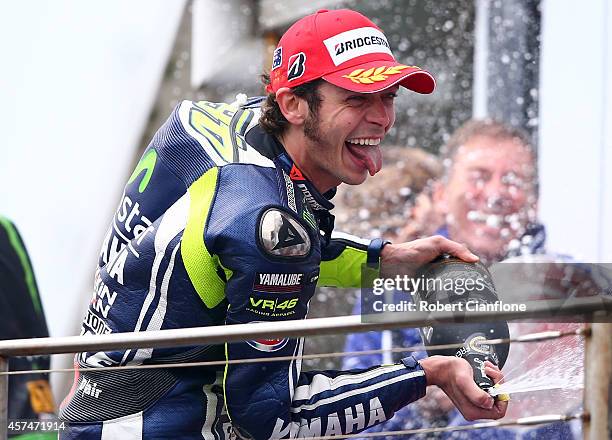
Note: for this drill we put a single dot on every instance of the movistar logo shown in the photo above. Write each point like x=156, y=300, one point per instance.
x=146, y=164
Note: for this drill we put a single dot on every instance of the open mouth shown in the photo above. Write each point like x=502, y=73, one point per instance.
x=366, y=152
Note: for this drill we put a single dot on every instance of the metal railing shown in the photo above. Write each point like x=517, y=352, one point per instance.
x=595, y=418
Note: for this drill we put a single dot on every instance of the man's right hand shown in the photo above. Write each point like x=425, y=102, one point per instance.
x=455, y=377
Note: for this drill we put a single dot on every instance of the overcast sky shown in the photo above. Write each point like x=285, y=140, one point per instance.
x=76, y=84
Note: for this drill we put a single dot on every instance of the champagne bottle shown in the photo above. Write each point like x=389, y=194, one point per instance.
x=447, y=283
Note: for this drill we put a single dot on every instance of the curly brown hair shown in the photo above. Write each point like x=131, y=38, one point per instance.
x=272, y=119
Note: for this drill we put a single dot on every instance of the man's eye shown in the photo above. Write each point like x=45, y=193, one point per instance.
x=478, y=177
x=512, y=179
x=357, y=99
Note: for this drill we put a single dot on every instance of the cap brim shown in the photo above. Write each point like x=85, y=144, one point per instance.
x=376, y=76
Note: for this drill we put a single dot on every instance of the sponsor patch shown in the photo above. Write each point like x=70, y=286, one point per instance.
x=268, y=345
x=296, y=174
x=310, y=200
x=90, y=388
x=290, y=192
x=297, y=66
x=310, y=219
x=272, y=307
x=277, y=58
x=281, y=235
x=356, y=42
x=354, y=418
x=278, y=282
x=96, y=324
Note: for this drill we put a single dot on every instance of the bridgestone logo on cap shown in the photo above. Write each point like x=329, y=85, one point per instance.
x=356, y=42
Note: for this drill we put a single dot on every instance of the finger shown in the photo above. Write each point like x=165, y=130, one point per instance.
x=494, y=374
x=456, y=249
x=500, y=407
x=477, y=396
x=497, y=412
x=491, y=364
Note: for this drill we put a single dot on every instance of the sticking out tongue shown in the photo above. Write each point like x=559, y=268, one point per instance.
x=370, y=155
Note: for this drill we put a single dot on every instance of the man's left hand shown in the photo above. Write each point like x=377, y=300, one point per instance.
x=409, y=256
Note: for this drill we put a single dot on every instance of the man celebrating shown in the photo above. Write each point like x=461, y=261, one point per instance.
x=221, y=223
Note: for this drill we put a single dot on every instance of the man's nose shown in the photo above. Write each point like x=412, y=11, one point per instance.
x=497, y=192
x=377, y=112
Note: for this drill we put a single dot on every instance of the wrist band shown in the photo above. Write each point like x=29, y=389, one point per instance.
x=374, y=249
x=410, y=362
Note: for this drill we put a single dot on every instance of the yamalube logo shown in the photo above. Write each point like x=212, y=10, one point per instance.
x=356, y=42
x=278, y=282
x=280, y=279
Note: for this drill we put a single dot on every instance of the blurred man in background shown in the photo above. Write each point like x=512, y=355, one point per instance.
x=486, y=199
x=22, y=316
x=488, y=195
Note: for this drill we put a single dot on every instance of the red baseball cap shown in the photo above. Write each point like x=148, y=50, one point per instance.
x=345, y=49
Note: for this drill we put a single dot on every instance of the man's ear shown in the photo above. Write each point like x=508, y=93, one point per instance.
x=293, y=108
x=534, y=208
x=438, y=196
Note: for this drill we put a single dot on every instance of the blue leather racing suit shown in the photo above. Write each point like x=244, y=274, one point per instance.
x=217, y=226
